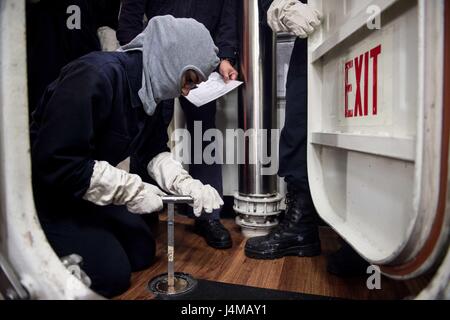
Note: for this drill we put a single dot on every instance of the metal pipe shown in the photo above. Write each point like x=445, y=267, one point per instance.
x=257, y=201
x=170, y=247
x=171, y=201
x=257, y=100
x=177, y=199
x=173, y=283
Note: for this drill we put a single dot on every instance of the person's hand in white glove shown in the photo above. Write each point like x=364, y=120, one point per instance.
x=147, y=200
x=294, y=17
x=110, y=185
x=170, y=175
x=206, y=198
x=108, y=39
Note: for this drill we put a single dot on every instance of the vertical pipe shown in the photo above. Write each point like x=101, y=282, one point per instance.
x=257, y=201
x=257, y=100
x=170, y=248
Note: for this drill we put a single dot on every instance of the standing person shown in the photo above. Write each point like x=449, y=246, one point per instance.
x=103, y=108
x=60, y=31
x=298, y=233
x=220, y=18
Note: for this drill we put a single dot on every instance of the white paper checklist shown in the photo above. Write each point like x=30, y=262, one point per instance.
x=211, y=90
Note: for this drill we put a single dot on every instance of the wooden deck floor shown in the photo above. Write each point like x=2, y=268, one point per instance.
x=305, y=275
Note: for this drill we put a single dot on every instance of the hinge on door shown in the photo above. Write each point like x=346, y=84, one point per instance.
x=73, y=263
x=12, y=289
x=10, y=286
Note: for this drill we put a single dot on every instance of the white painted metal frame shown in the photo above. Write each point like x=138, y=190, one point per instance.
x=21, y=237
x=429, y=130
x=346, y=30
x=397, y=148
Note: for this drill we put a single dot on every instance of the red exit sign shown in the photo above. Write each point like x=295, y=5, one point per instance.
x=361, y=84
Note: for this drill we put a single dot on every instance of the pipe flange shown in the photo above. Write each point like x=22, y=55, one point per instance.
x=254, y=229
x=257, y=215
x=255, y=206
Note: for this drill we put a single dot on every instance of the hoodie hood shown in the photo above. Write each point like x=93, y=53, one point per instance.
x=169, y=48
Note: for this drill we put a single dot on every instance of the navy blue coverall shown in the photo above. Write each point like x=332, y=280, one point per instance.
x=93, y=112
x=220, y=18
x=293, y=141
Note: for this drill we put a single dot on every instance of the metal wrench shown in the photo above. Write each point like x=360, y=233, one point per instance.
x=171, y=201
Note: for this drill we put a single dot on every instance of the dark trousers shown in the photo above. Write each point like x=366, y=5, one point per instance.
x=112, y=241
x=293, y=140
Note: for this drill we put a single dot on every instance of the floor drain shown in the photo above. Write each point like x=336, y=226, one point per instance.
x=184, y=283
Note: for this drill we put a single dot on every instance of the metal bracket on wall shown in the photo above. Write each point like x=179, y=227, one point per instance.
x=73, y=263
x=10, y=286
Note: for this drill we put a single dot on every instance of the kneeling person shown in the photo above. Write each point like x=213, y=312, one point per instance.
x=102, y=109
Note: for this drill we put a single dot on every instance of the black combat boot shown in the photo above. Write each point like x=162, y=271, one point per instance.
x=347, y=263
x=296, y=235
x=214, y=232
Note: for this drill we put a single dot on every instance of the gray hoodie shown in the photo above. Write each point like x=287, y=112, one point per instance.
x=170, y=47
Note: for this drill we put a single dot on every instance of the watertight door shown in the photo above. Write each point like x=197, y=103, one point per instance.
x=378, y=129
x=22, y=242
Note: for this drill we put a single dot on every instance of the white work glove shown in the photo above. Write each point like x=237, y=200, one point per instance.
x=108, y=39
x=110, y=185
x=170, y=176
x=205, y=197
x=293, y=17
